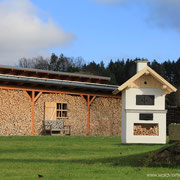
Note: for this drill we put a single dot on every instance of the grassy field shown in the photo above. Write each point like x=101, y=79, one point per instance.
x=86, y=158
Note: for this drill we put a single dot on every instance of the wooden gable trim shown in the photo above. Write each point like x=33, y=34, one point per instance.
x=130, y=81
x=147, y=70
x=161, y=79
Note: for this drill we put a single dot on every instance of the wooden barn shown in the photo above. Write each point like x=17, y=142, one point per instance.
x=29, y=98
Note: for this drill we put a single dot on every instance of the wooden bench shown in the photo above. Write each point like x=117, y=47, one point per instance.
x=56, y=127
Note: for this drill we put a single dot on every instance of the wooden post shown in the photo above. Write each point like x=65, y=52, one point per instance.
x=88, y=120
x=33, y=109
x=88, y=104
x=33, y=98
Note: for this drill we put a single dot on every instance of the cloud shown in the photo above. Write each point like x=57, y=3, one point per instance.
x=162, y=13
x=24, y=34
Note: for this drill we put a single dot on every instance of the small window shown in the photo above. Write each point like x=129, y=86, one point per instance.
x=149, y=100
x=144, y=99
x=61, y=111
x=139, y=100
x=145, y=116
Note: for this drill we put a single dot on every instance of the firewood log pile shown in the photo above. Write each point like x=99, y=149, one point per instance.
x=15, y=113
x=146, y=129
x=105, y=117
x=77, y=112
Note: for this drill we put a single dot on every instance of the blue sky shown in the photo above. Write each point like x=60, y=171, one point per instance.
x=93, y=29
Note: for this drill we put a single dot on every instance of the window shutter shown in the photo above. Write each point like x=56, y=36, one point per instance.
x=50, y=111
x=139, y=100
x=144, y=99
x=149, y=100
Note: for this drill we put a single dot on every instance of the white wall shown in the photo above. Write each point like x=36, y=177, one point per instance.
x=131, y=98
x=130, y=115
x=123, y=119
x=158, y=118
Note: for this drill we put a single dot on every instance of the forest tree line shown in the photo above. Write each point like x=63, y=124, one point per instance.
x=119, y=70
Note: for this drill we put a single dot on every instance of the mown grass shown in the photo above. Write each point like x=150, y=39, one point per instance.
x=86, y=158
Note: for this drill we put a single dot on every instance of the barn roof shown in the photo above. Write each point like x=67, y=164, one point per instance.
x=146, y=70
x=58, y=83
x=53, y=74
x=33, y=79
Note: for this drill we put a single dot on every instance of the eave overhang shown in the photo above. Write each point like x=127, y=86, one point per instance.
x=57, y=83
x=146, y=70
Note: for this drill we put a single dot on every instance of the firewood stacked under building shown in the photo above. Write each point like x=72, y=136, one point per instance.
x=146, y=129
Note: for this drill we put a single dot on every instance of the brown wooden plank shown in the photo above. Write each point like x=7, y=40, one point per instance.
x=37, y=96
x=92, y=100
x=33, y=111
x=57, y=91
x=84, y=99
x=29, y=97
x=50, y=110
x=88, y=120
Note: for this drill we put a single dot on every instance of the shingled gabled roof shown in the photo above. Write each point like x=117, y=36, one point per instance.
x=147, y=70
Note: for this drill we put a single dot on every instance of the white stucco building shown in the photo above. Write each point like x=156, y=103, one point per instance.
x=143, y=106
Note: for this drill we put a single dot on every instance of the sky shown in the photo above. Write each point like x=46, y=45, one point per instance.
x=93, y=29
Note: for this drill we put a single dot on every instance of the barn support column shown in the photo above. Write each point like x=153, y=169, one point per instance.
x=33, y=109
x=88, y=100
x=32, y=96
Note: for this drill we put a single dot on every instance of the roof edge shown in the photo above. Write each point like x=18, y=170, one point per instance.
x=56, y=72
x=139, y=74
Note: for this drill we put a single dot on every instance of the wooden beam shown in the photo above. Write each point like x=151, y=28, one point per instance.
x=84, y=99
x=5, y=82
x=141, y=73
x=57, y=91
x=92, y=100
x=20, y=83
x=88, y=104
x=33, y=111
x=29, y=97
x=37, y=96
x=34, y=85
x=88, y=120
x=164, y=87
x=33, y=99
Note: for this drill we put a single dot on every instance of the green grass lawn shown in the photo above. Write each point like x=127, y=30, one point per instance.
x=85, y=158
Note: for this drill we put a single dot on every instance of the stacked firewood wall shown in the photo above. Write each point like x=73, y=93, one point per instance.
x=105, y=117
x=77, y=112
x=15, y=113
x=146, y=129
x=105, y=114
